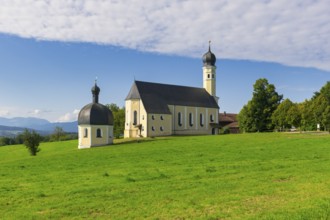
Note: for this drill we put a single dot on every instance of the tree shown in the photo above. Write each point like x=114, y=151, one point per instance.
x=58, y=134
x=256, y=115
x=326, y=119
x=31, y=141
x=280, y=116
x=294, y=115
x=119, y=119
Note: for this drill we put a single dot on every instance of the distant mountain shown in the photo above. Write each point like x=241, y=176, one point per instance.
x=12, y=125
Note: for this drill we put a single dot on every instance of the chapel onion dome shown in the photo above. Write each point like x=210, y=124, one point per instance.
x=209, y=58
x=95, y=113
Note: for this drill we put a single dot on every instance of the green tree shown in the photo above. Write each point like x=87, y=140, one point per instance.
x=280, y=116
x=31, y=141
x=119, y=119
x=294, y=115
x=256, y=115
x=326, y=119
x=312, y=110
x=4, y=141
x=58, y=134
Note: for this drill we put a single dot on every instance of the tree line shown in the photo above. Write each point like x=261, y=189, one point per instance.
x=267, y=111
x=57, y=135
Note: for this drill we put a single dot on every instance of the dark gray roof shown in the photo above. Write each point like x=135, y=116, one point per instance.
x=156, y=97
x=209, y=58
x=95, y=114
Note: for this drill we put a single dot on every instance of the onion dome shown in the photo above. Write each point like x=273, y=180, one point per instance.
x=95, y=113
x=209, y=58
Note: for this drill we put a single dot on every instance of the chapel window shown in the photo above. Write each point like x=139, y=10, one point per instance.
x=180, y=119
x=211, y=118
x=85, y=133
x=134, y=117
x=201, y=120
x=99, y=133
x=191, y=121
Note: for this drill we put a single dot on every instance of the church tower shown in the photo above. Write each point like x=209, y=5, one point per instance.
x=209, y=73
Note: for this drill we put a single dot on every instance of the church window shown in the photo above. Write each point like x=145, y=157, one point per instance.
x=135, y=118
x=208, y=76
x=85, y=133
x=99, y=133
x=152, y=117
x=201, y=120
x=191, y=121
x=179, y=119
x=153, y=128
x=161, y=117
x=211, y=118
x=161, y=128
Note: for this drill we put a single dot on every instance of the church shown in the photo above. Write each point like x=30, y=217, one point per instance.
x=154, y=109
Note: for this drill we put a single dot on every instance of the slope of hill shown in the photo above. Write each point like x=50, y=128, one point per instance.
x=249, y=176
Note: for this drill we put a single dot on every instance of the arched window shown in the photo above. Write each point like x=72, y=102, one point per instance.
x=191, y=121
x=161, y=128
x=201, y=120
x=99, y=133
x=152, y=117
x=179, y=119
x=208, y=76
x=161, y=117
x=211, y=118
x=85, y=133
x=134, y=117
x=153, y=128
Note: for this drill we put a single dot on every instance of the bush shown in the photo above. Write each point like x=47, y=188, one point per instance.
x=31, y=141
x=224, y=130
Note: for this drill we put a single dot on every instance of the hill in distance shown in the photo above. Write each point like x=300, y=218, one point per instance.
x=12, y=126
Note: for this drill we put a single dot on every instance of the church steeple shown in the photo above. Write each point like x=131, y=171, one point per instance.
x=96, y=91
x=209, y=74
x=209, y=58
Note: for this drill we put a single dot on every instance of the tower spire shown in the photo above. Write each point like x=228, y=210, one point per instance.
x=210, y=45
x=95, y=91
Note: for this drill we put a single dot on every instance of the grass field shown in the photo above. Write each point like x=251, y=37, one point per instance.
x=248, y=176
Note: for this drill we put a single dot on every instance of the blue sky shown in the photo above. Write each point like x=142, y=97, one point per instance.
x=51, y=51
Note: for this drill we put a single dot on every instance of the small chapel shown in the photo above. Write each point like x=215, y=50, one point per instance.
x=95, y=123
x=155, y=109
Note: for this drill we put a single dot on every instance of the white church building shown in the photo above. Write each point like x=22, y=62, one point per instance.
x=154, y=109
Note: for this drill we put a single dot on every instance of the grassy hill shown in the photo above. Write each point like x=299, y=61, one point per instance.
x=249, y=176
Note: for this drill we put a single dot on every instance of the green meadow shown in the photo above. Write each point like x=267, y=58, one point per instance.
x=246, y=176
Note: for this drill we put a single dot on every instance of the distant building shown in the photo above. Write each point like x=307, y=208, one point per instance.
x=154, y=109
x=95, y=123
x=229, y=120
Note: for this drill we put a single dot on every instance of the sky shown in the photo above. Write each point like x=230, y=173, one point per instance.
x=51, y=51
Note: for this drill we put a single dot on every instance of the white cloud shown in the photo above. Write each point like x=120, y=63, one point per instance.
x=4, y=113
x=289, y=32
x=70, y=116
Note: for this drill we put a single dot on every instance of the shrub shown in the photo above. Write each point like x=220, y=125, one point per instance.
x=31, y=141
